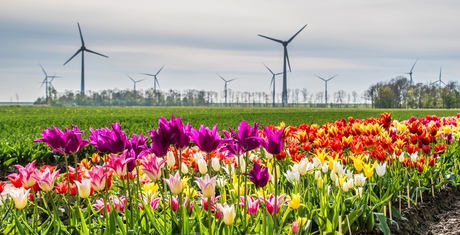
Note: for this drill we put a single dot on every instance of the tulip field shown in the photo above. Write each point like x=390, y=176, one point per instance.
x=221, y=171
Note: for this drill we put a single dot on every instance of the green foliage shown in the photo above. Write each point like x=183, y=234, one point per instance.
x=20, y=125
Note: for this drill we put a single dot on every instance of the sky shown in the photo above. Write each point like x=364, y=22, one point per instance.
x=363, y=41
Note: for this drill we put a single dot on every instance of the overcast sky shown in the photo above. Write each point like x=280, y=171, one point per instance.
x=363, y=41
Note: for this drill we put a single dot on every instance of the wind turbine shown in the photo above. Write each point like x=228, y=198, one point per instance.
x=410, y=72
x=82, y=50
x=225, y=86
x=272, y=82
x=325, y=81
x=439, y=81
x=45, y=81
x=135, y=82
x=285, y=58
x=155, y=80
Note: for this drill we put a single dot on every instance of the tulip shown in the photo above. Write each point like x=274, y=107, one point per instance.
x=369, y=170
x=170, y=159
x=207, y=185
x=360, y=180
x=207, y=140
x=61, y=187
x=15, y=180
x=274, y=141
x=46, y=179
x=98, y=178
x=293, y=175
x=270, y=203
x=26, y=174
x=19, y=197
x=2, y=187
x=229, y=213
x=202, y=167
x=84, y=188
x=109, y=141
x=152, y=167
x=174, y=183
x=118, y=163
x=295, y=227
x=246, y=139
x=259, y=176
x=294, y=203
x=380, y=169
x=67, y=143
x=215, y=163
x=253, y=204
x=177, y=132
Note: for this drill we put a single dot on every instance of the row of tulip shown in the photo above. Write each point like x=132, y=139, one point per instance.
x=342, y=177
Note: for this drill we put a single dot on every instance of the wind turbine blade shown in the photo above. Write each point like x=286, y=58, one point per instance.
x=296, y=34
x=320, y=77
x=287, y=57
x=96, y=53
x=413, y=66
x=268, y=69
x=131, y=78
x=42, y=84
x=72, y=57
x=332, y=77
x=141, y=80
x=160, y=69
x=271, y=82
x=43, y=70
x=222, y=78
x=148, y=74
x=232, y=79
x=81, y=35
x=278, y=73
x=158, y=83
x=276, y=40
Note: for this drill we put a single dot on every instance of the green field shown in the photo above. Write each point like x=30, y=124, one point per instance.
x=20, y=125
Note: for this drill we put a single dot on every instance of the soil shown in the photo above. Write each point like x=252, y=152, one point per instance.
x=436, y=215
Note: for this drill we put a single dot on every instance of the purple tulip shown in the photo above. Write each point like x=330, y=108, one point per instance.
x=159, y=145
x=245, y=140
x=179, y=134
x=207, y=140
x=136, y=146
x=67, y=143
x=109, y=141
x=259, y=176
x=274, y=141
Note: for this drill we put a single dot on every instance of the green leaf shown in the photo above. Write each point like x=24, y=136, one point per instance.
x=84, y=228
x=383, y=225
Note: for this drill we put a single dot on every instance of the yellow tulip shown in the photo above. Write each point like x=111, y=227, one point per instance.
x=294, y=203
x=358, y=162
x=150, y=189
x=368, y=169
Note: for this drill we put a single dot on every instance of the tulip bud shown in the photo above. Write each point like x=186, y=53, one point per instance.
x=202, y=167
x=184, y=168
x=215, y=164
x=295, y=227
x=171, y=160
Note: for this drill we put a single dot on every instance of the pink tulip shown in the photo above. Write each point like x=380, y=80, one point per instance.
x=174, y=183
x=253, y=204
x=26, y=174
x=152, y=167
x=98, y=178
x=118, y=163
x=270, y=203
x=46, y=179
x=207, y=185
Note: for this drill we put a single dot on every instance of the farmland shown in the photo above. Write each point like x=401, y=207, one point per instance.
x=20, y=125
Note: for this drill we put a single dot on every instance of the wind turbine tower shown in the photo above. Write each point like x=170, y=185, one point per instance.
x=410, y=73
x=82, y=50
x=325, y=85
x=439, y=81
x=272, y=82
x=45, y=81
x=225, y=86
x=285, y=59
x=135, y=82
x=155, y=80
